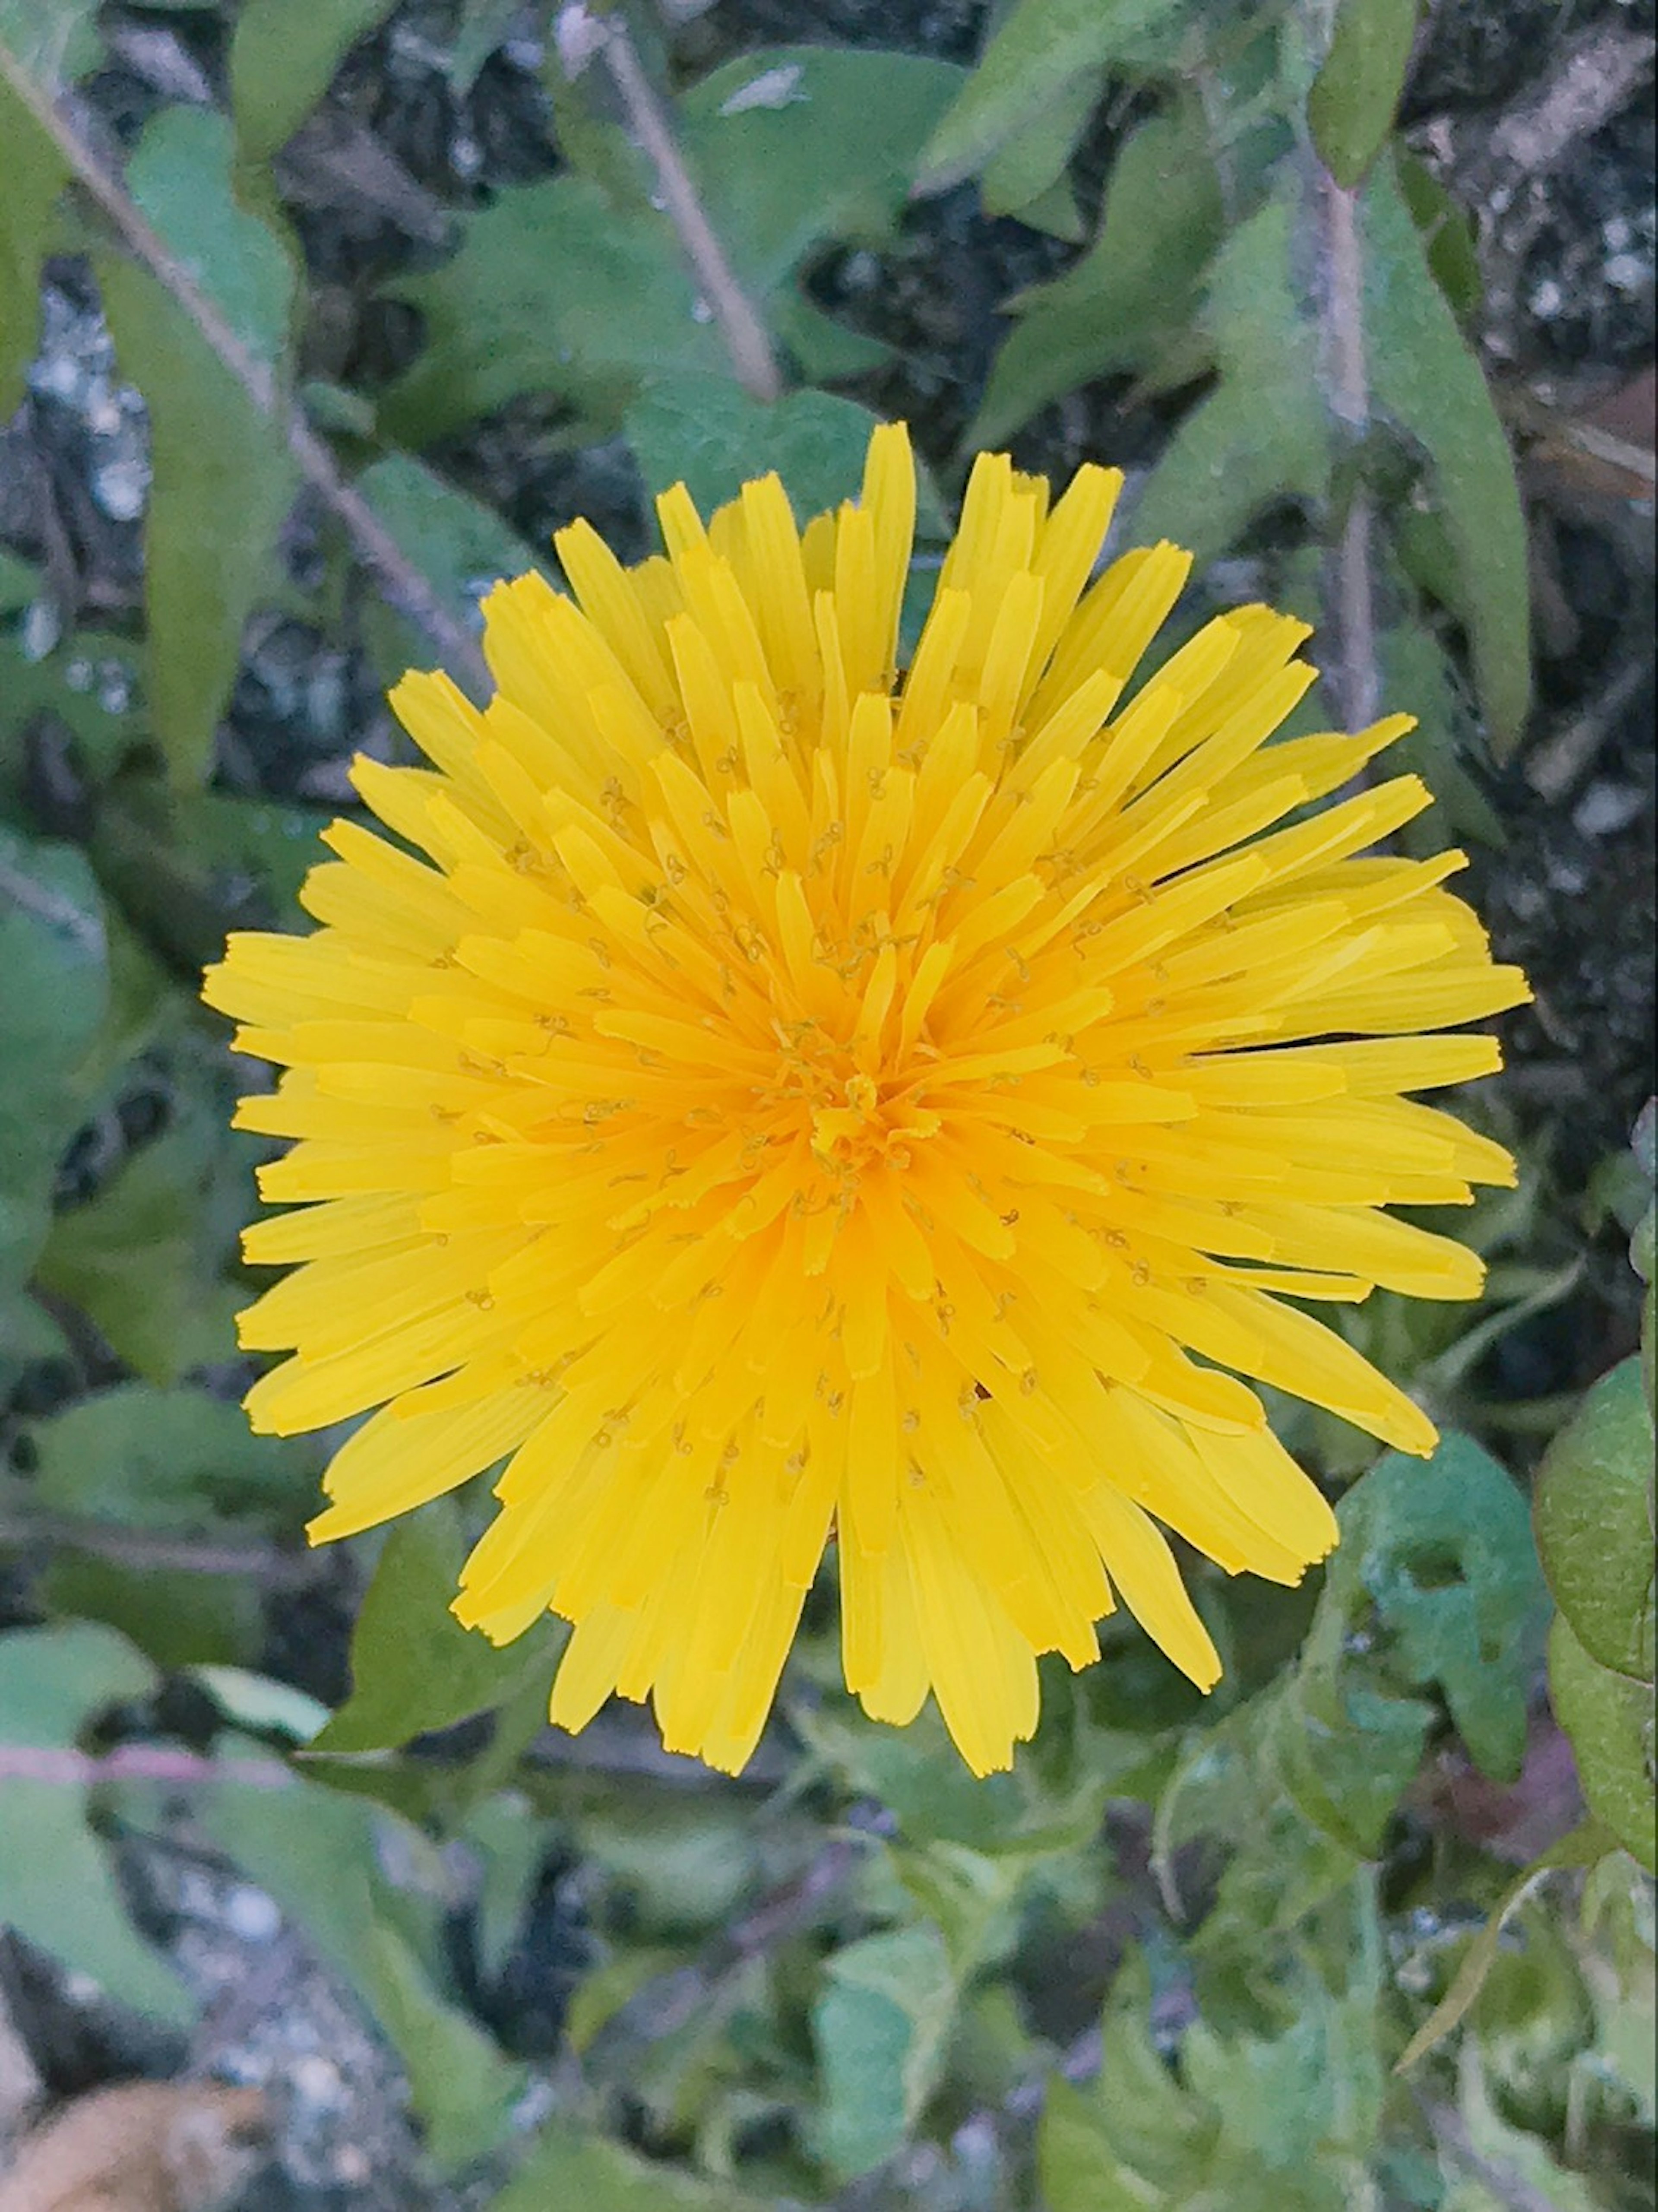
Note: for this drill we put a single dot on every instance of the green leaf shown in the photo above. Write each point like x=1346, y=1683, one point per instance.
x=53, y=1681
x=1076, y=2160
x=1032, y=63
x=460, y=546
x=1609, y=1718
x=283, y=59
x=1438, y=1555
x=317, y=1854
x=147, y=1458
x=164, y=1459
x=414, y=1668
x=462, y=2086
x=554, y=290
x=222, y=474
x=1132, y=295
x=143, y=1257
x=54, y=45
x=57, y=1886
x=704, y=433
x=1586, y=1845
x=1263, y=435
x=54, y=984
x=1356, y=94
x=826, y=154
x=1424, y=375
x=1033, y=161
x=879, y=2026
x=1446, y=236
x=1593, y=1512
x=36, y=173
x=571, y=2165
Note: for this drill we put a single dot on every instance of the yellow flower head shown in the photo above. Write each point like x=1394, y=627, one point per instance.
x=798, y=1097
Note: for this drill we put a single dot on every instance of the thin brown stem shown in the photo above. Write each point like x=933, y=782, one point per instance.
x=64, y=1768
x=1349, y=583
x=398, y=580
x=739, y=325
x=28, y=1527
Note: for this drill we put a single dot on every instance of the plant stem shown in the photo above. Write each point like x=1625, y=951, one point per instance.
x=398, y=580
x=1349, y=584
x=740, y=325
x=68, y=1769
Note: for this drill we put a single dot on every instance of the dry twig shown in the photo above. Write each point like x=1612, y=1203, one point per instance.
x=400, y=582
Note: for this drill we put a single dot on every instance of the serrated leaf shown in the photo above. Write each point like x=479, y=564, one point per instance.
x=1031, y=62
x=1592, y=1513
x=879, y=2027
x=705, y=432
x=1609, y=1719
x=222, y=475
x=1423, y=374
x=1356, y=95
x=283, y=59
x=1132, y=294
x=1263, y=435
x=54, y=984
x=1439, y=1554
x=414, y=1668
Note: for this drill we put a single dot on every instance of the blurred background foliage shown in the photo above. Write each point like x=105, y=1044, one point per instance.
x=316, y=315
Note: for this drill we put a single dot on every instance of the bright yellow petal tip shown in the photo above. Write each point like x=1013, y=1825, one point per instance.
x=796, y=1096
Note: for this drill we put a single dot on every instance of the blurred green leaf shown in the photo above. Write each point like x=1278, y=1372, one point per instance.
x=1132, y=294
x=1424, y=375
x=1026, y=178
x=1586, y=1844
x=1446, y=236
x=483, y=27
x=222, y=475
x=142, y=1258
x=462, y=2086
x=704, y=432
x=35, y=175
x=167, y=1460
x=149, y=1458
x=1031, y=63
x=1593, y=1512
x=1609, y=1719
x=1355, y=95
x=1263, y=435
x=57, y=1886
x=54, y=44
x=54, y=983
x=879, y=2026
x=283, y=59
x=317, y=1854
x=414, y=1668
x=571, y=2165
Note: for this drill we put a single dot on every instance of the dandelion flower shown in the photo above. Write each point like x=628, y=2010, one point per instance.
x=783, y=1097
